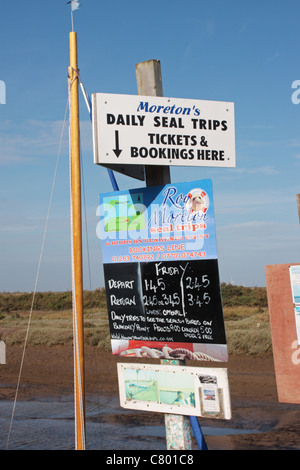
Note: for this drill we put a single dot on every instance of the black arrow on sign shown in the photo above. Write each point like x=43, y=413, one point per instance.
x=117, y=150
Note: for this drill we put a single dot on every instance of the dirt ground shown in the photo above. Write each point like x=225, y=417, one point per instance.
x=48, y=371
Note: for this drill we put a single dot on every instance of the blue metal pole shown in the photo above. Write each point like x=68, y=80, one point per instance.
x=198, y=433
x=113, y=180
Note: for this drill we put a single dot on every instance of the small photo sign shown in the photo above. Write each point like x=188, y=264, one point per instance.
x=192, y=391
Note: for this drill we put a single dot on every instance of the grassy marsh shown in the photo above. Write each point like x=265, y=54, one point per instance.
x=245, y=313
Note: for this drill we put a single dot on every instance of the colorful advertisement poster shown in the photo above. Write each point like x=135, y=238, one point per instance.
x=161, y=272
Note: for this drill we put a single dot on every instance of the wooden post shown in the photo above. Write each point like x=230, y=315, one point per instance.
x=149, y=83
x=79, y=380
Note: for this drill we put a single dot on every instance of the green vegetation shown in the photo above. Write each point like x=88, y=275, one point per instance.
x=51, y=320
x=247, y=330
x=56, y=301
x=247, y=296
x=245, y=312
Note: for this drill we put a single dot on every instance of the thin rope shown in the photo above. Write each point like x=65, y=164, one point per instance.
x=36, y=279
x=96, y=362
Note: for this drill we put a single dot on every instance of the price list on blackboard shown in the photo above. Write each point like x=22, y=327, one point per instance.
x=165, y=301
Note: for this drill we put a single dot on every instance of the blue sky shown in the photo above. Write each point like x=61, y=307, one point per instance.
x=245, y=52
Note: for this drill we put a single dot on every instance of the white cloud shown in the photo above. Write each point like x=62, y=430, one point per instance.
x=262, y=170
x=255, y=199
x=260, y=238
x=32, y=139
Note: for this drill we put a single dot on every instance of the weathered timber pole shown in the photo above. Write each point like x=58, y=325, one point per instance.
x=149, y=83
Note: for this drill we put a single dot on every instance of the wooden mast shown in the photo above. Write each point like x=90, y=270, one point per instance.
x=79, y=379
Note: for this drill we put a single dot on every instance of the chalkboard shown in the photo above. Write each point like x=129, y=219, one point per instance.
x=124, y=301
x=172, y=301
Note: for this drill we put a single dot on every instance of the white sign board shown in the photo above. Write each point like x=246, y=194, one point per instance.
x=151, y=130
x=192, y=391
